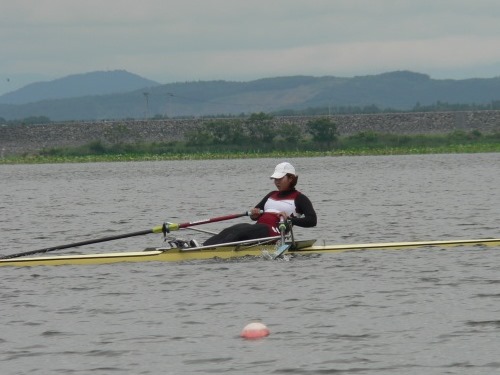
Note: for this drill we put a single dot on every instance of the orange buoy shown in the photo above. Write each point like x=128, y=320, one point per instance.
x=255, y=331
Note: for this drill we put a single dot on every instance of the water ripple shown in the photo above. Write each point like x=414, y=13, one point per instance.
x=430, y=311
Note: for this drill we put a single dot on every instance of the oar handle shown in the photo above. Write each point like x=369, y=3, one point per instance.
x=283, y=246
x=282, y=225
x=282, y=228
x=175, y=226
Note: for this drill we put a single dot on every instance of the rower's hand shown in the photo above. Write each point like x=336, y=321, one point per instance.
x=284, y=224
x=255, y=213
x=283, y=216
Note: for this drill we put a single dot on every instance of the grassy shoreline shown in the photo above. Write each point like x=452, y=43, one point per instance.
x=364, y=151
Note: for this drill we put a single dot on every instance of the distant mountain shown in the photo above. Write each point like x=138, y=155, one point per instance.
x=78, y=85
x=400, y=90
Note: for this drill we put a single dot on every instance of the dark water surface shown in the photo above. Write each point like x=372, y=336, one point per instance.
x=421, y=311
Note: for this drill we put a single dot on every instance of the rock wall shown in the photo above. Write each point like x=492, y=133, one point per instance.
x=28, y=139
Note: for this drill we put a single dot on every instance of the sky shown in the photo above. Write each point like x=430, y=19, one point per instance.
x=242, y=40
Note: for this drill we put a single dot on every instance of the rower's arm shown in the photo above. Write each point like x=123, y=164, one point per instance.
x=306, y=209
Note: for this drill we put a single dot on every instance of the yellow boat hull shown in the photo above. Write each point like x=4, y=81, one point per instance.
x=226, y=252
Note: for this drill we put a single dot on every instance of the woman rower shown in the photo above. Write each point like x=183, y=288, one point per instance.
x=286, y=203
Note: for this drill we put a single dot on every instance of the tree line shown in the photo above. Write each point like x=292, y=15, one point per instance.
x=438, y=106
x=258, y=134
x=32, y=120
x=259, y=129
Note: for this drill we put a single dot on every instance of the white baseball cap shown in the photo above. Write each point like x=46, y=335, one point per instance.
x=283, y=169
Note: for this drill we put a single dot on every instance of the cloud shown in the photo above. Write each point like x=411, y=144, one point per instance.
x=178, y=40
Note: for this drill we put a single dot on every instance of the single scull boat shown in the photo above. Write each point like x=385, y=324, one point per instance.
x=261, y=248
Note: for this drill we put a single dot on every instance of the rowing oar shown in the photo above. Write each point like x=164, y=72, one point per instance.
x=283, y=247
x=167, y=227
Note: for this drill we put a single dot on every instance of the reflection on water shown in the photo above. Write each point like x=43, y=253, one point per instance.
x=418, y=311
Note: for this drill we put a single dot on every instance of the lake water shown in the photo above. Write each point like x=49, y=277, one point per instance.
x=420, y=311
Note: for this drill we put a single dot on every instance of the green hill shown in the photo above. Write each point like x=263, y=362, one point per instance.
x=401, y=90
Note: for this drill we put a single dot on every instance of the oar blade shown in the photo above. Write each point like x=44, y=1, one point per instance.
x=280, y=251
x=156, y=229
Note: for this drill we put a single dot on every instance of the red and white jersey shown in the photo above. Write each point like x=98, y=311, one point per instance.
x=276, y=203
x=298, y=207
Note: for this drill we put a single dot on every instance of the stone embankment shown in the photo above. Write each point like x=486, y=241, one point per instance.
x=29, y=139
